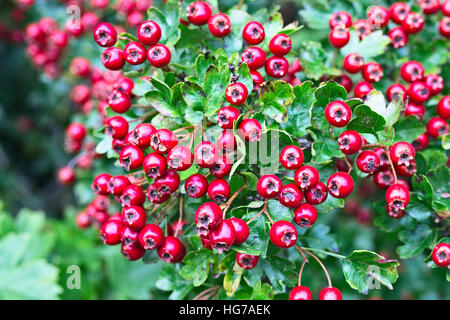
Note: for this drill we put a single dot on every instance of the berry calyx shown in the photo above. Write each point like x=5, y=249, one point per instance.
x=368, y=161
x=340, y=185
x=119, y=101
x=207, y=217
x=236, y=93
x=316, y=194
x=350, y=142
x=221, y=167
x=253, y=33
x=151, y=237
x=306, y=177
x=283, y=234
x=280, y=44
x=269, y=186
x=246, y=261
x=338, y=113
x=441, y=254
x=290, y=196
x=219, y=25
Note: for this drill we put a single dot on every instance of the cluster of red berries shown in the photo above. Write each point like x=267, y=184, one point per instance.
x=132, y=11
x=304, y=293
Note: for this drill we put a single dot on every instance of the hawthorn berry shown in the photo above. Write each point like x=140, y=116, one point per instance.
x=100, y=183
x=117, y=184
x=280, y=44
x=159, y=55
x=180, y=158
x=406, y=170
x=132, y=195
x=444, y=27
x=330, y=293
x=168, y=183
x=269, y=186
x=398, y=36
x=172, y=250
x=129, y=235
x=134, y=53
x=421, y=142
x=339, y=36
x=207, y=217
x=80, y=67
x=156, y=195
x=219, y=25
x=362, y=89
x=306, y=177
x=198, y=13
x=154, y=165
x=300, y=293
x=338, y=113
x=418, y=92
x=82, y=220
x=378, y=17
x=227, y=116
x=131, y=158
x=437, y=127
x=257, y=79
x=250, y=129
x=134, y=217
x=429, y=6
x=132, y=251
x=141, y=135
x=340, y=185
x=397, y=198
x=340, y=17
x=105, y=34
x=219, y=190
x=116, y=127
x=445, y=7
x=76, y=131
x=435, y=83
x=163, y=140
x=227, y=141
x=316, y=194
x=362, y=28
x=413, y=22
x=441, y=254
x=277, y=67
x=111, y=232
x=221, y=167
x=412, y=71
x=350, y=142
x=222, y=237
x=236, y=93
x=353, y=62
x=205, y=154
x=291, y=157
x=402, y=153
x=113, y=58
x=443, y=108
x=119, y=101
x=372, y=72
x=396, y=91
x=283, y=234
x=398, y=11
x=151, y=237
x=413, y=109
x=253, y=33
x=246, y=261
x=254, y=57
x=290, y=196
x=368, y=161
x=149, y=33
x=345, y=81
x=383, y=178
x=66, y=175
x=241, y=230
x=305, y=215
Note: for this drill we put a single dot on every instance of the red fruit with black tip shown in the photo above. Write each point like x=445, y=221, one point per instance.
x=441, y=254
x=154, y=165
x=413, y=109
x=180, y=158
x=219, y=25
x=305, y=215
x=362, y=89
x=134, y=53
x=131, y=158
x=413, y=23
x=443, y=108
x=129, y=235
x=246, y=261
x=444, y=27
x=134, y=217
x=226, y=141
x=219, y=191
x=290, y=196
x=280, y=44
x=116, y=127
x=398, y=36
x=418, y=92
x=253, y=33
x=338, y=113
x=372, y=72
x=113, y=58
x=340, y=17
x=429, y=6
x=119, y=101
x=141, y=135
x=163, y=140
x=156, y=195
x=339, y=36
x=254, y=57
x=132, y=195
x=362, y=28
x=105, y=34
x=198, y=13
x=196, y=185
x=226, y=117
x=437, y=127
x=257, y=79
x=316, y=194
x=269, y=186
x=421, y=142
x=151, y=237
x=368, y=161
x=117, y=185
x=205, y=154
x=383, y=178
x=66, y=175
x=340, y=185
x=241, y=230
x=398, y=11
x=172, y=250
x=236, y=93
x=277, y=67
x=132, y=251
x=149, y=33
x=435, y=83
x=350, y=142
x=76, y=131
x=396, y=91
x=159, y=55
x=250, y=129
x=222, y=237
x=306, y=177
x=378, y=17
x=221, y=168
x=100, y=183
x=111, y=232
x=207, y=217
x=397, y=198
x=291, y=157
x=353, y=63
x=283, y=234
x=402, y=153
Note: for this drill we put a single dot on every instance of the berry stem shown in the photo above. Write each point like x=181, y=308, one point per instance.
x=349, y=165
x=180, y=217
x=202, y=294
x=301, y=272
x=266, y=212
x=392, y=166
x=228, y=204
x=302, y=253
x=322, y=265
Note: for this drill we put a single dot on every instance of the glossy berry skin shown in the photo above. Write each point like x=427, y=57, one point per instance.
x=398, y=11
x=300, y=293
x=350, y=142
x=398, y=36
x=119, y=101
x=205, y=154
x=338, y=113
x=277, y=67
x=76, y=131
x=132, y=251
x=444, y=27
x=418, y=92
x=134, y=53
x=246, y=261
x=413, y=23
x=117, y=185
x=429, y=6
x=134, y=217
x=402, y=153
x=80, y=67
x=339, y=36
x=445, y=8
x=383, y=178
x=372, y=72
x=437, y=127
x=168, y=183
x=421, y=142
x=222, y=237
x=154, y=165
x=226, y=141
x=113, y=58
x=236, y=93
x=290, y=196
x=163, y=140
x=141, y=135
x=280, y=44
x=305, y=215
x=353, y=63
x=129, y=235
x=253, y=33
x=362, y=89
x=116, y=127
x=180, y=158
x=254, y=57
x=227, y=116
x=412, y=71
x=219, y=191
x=435, y=83
x=207, y=217
x=151, y=237
x=159, y=55
x=306, y=177
x=149, y=33
x=105, y=34
x=111, y=232
x=155, y=195
x=132, y=195
x=340, y=17
x=283, y=234
x=345, y=81
x=368, y=161
x=443, y=108
x=406, y=170
x=441, y=254
x=198, y=13
x=250, y=129
x=330, y=293
x=340, y=185
x=362, y=28
x=241, y=230
x=269, y=186
x=316, y=194
x=291, y=157
x=378, y=17
x=196, y=185
x=396, y=91
x=172, y=250
x=66, y=175
x=219, y=25
x=413, y=109
x=221, y=167
x=257, y=79
x=397, y=198
x=131, y=158
x=100, y=183
x=82, y=220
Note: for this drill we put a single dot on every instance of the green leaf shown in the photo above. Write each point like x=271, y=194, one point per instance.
x=215, y=83
x=245, y=77
x=315, y=19
x=329, y=204
x=408, y=129
x=375, y=100
x=258, y=238
x=252, y=180
x=446, y=142
x=324, y=149
x=276, y=96
x=232, y=280
x=324, y=94
x=298, y=112
x=423, y=187
x=262, y=292
x=366, y=121
x=281, y=272
x=371, y=46
x=196, y=266
x=104, y=145
x=168, y=21
x=319, y=237
x=157, y=101
x=417, y=209
x=415, y=241
x=313, y=60
x=279, y=212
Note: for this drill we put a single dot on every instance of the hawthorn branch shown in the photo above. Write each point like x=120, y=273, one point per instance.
x=180, y=217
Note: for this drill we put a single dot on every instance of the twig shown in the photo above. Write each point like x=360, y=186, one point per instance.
x=300, y=273
x=180, y=217
x=349, y=165
x=228, y=204
x=392, y=166
x=322, y=265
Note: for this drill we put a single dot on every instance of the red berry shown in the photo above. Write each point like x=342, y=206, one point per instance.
x=221, y=167
x=169, y=183
x=406, y=170
x=206, y=243
x=219, y=190
x=66, y=175
x=196, y=185
x=441, y=254
x=163, y=140
x=277, y=67
x=413, y=109
x=396, y=91
x=421, y=142
x=253, y=33
x=116, y=127
x=250, y=129
x=300, y=293
x=340, y=17
x=105, y=34
x=443, y=107
x=154, y=165
x=222, y=237
x=402, y=153
x=131, y=158
x=198, y=13
x=134, y=53
x=306, y=177
x=383, y=178
x=413, y=22
x=418, y=92
x=437, y=127
x=412, y=71
x=290, y=196
x=283, y=234
x=227, y=116
x=76, y=131
x=236, y=93
x=257, y=79
x=132, y=251
x=330, y=293
x=316, y=194
x=372, y=72
x=132, y=195
x=119, y=101
x=100, y=183
x=172, y=250
x=219, y=25
x=362, y=89
x=435, y=83
x=444, y=27
x=117, y=185
x=338, y=113
x=430, y=6
x=345, y=81
x=205, y=154
x=398, y=36
x=363, y=28
x=180, y=158
x=445, y=8
x=339, y=36
x=246, y=261
x=350, y=142
x=149, y=33
x=82, y=220
x=129, y=236
x=156, y=195
x=340, y=185
x=305, y=215
x=151, y=237
x=280, y=44
x=254, y=57
x=291, y=157
x=368, y=161
x=113, y=58
x=398, y=11
x=141, y=135
x=269, y=186
x=378, y=17
x=353, y=63
x=80, y=67
x=241, y=230
x=159, y=55
x=397, y=198
x=207, y=217
x=111, y=232
x=134, y=217
x=226, y=141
